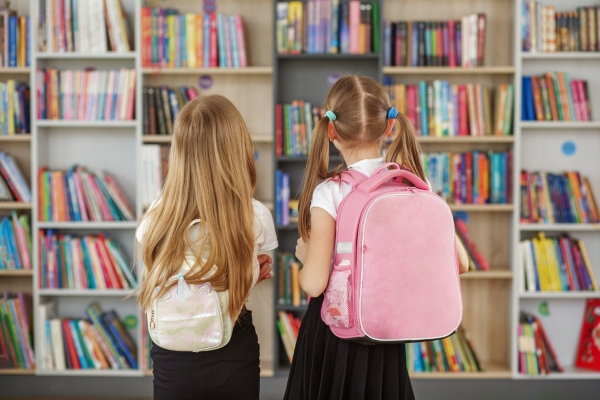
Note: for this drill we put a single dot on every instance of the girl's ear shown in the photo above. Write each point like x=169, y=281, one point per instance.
x=390, y=126
x=331, y=132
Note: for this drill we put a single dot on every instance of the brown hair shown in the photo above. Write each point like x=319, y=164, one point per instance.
x=361, y=105
x=211, y=177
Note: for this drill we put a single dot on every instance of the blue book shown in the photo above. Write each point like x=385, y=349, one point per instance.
x=183, y=40
x=463, y=178
x=206, y=48
x=27, y=42
x=89, y=271
x=528, y=100
x=335, y=29
x=78, y=345
x=278, y=206
x=221, y=41
x=173, y=103
x=444, y=95
x=12, y=41
x=68, y=197
x=415, y=45
x=235, y=51
x=446, y=172
x=344, y=28
x=109, y=322
x=424, y=111
x=502, y=177
x=564, y=279
x=13, y=253
x=427, y=43
x=418, y=357
x=73, y=193
x=387, y=43
x=567, y=199
x=285, y=199
x=535, y=267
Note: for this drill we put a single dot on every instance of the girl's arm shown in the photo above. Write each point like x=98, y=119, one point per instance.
x=316, y=254
x=463, y=258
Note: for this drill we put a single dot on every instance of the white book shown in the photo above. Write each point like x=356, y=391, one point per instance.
x=157, y=168
x=145, y=195
x=82, y=40
x=58, y=349
x=113, y=8
x=473, y=40
x=465, y=41
x=123, y=94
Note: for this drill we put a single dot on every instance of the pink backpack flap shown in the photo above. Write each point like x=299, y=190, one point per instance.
x=395, y=273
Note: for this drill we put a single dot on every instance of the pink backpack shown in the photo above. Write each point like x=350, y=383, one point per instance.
x=395, y=273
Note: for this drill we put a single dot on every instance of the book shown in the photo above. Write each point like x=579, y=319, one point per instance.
x=289, y=291
x=161, y=105
x=288, y=326
x=16, y=350
x=13, y=185
x=536, y=355
x=14, y=39
x=588, y=350
x=154, y=169
x=477, y=260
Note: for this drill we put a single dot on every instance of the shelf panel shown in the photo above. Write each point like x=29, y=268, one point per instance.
x=86, y=292
x=85, y=124
x=266, y=70
x=498, y=70
x=282, y=307
x=91, y=372
x=87, y=225
x=17, y=371
x=482, y=207
x=492, y=372
x=570, y=372
x=492, y=274
x=20, y=137
x=562, y=55
x=14, y=205
x=466, y=139
x=560, y=125
x=327, y=56
x=560, y=295
x=15, y=70
x=559, y=227
x=76, y=56
x=169, y=138
x=16, y=272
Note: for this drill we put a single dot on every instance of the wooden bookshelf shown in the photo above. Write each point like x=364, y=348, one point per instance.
x=15, y=70
x=500, y=70
x=491, y=274
x=466, y=139
x=16, y=272
x=17, y=371
x=15, y=205
x=160, y=139
x=209, y=71
x=16, y=138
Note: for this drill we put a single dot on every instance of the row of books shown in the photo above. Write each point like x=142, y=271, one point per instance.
x=548, y=198
x=80, y=195
x=82, y=26
x=289, y=292
x=477, y=261
x=288, y=326
x=435, y=43
x=85, y=95
x=455, y=353
x=439, y=108
x=478, y=177
x=555, y=264
x=16, y=350
x=295, y=123
x=13, y=185
x=536, y=353
x=282, y=198
x=14, y=39
x=170, y=39
x=161, y=105
x=555, y=97
x=15, y=108
x=15, y=243
x=99, y=341
x=546, y=30
x=155, y=160
x=87, y=262
x=328, y=27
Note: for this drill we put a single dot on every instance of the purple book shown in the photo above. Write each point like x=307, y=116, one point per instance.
x=457, y=42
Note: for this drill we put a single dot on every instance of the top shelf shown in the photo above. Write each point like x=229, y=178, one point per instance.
x=266, y=70
x=565, y=55
x=79, y=56
x=328, y=57
x=498, y=70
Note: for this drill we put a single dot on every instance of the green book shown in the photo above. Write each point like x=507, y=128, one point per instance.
x=376, y=28
x=569, y=96
x=13, y=336
x=84, y=345
x=559, y=103
x=508, y=110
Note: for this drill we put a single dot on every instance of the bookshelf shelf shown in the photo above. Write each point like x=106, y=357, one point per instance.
x=85, y=124
x=466, y=139
x=86, y=292
x=111, y=55
x=87, y=225
x=14, y=205
x=15, y=70
x=258, y=70
x=16, y=371
x=169, y=138
x=25, y=137
x=328, y=57
x=91, y=372
x=16, y=272
x=570, y=372
x=492, y=372
x=482, y=207
x=560, y=227
x=283, y=307
x=556, y=125
x=565, y=55
x=560, y=295
x=291, y=159
x=492, y=274
x=499, y=70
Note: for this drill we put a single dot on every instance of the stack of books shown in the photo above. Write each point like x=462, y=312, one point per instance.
x=439, y=108
x=161, y=105
x=288, y=326
x=536, y=354
x=80, y=195
x=478, y=177
x=554, y=198
x=86, y=95
x=452, y=354
x=477, y=261
x=13, y=185
x=282, y=203
x=15, y=116
x=155, y=159
x=170, y=39
x=546, y=30
x=15, y=243
x=555, y=97
x=295, y=123
x=327, y=27
x=435, y=43
x=100, y=341
x=556, y=264
x=88, y=262
x=16, y=322
x=15, y=44
x=289, y=292
x=82, y=26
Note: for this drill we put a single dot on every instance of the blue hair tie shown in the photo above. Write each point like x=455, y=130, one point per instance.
x=331, y=115
x=392, y=113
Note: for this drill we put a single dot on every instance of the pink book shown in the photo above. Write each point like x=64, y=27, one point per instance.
x=228, y=44
x=99, y=271
x=463, y=117
x=114, y=281
x=584, y=112
x=21, y=243
x=410, y=104
x=110, y=91
x=83, y=205
x=24, y=305
x=576, y=100
x=95, y=213
x=119, y=93
x=451, y=44
x=214, y=52
x=38, y=92
x=100, y=200
x=239, y=31
x=192, y=93
x=354, y=26
x=131, y=99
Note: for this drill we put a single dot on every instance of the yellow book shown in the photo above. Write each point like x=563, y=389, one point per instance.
x=586, y=261
x=21, y=41
x=171, y=28
x=466, y=365
x=542, y=269
x=200, y=40
x=296, y=20
x=450, y=356
x=401, y=97
x=10, y=88
x=190, y=34
x=295, y=284
x=553, y=267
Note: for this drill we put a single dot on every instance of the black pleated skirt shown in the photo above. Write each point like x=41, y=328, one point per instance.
x=229, y=373
x=327, y=367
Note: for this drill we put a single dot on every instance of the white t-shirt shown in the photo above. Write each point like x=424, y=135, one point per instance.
x=265, y=238
x=329, y=194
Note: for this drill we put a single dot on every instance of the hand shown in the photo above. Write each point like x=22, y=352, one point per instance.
x=265, y=267
x=301, y=250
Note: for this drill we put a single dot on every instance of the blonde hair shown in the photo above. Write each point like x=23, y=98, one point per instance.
x=361, y=105
x=211, y=177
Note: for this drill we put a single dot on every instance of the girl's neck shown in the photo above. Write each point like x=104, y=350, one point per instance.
x=355, y=155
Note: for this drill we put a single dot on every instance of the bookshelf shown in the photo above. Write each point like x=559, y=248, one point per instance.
x=538, y=148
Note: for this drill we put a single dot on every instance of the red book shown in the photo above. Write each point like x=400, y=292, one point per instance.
x=479, y=259
x=549, y=349
x=576, y=100
x=146, y=32
x=480, y=39
x=70, y=345
x=563, y=248
x=588, y=353
x=214, y=52
x=469, y=173
x=463, y=117
x=451, y=52
x=541, y=350
x=583, y=110
x=107, y=265
x=537, y=98
x=439, y=37
x=279, y=129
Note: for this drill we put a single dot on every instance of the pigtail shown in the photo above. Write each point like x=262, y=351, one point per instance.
x=405, y=150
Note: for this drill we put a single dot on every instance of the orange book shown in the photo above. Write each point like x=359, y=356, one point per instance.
x=479, y=109
x=472, y=109
x=562, y=85
x=450, y=356
x=578, y=198
x=486, y=178
x=591, y=200
x=57, y=203
x=537, y=98
x=199, y=40
x=552, y=97
x=22, y=41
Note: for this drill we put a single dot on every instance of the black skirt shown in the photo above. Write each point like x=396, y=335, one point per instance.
x=327, y=367
x=231, y=372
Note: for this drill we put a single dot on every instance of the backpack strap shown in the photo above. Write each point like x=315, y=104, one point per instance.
x=351, y=177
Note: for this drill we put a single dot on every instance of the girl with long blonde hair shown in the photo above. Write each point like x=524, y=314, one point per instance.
x=207, y=212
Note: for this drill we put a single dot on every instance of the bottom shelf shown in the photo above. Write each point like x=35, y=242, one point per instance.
x=570, y=372
x=264, y=372
x=16, y=371
x=92, y=372
x=492, y=371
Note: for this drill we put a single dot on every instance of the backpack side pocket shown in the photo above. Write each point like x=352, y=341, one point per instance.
x=337, y=303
